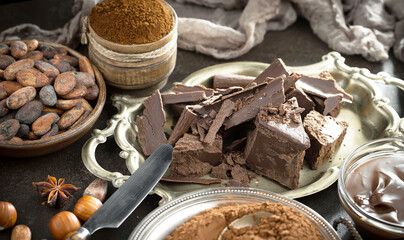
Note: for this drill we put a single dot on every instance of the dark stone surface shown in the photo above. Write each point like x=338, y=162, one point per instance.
x=297, y=45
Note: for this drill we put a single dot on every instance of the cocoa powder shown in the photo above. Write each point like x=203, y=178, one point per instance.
x=131, y=21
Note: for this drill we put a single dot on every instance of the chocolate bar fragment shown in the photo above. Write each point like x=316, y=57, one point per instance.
x=333, y=105
x=272, y=95
x=225, y=110
x=220, y=171
x=276, y=69
x=150, y=125
x=170, y=98
x=231, y=80
x=182, y=88
x=184, y=122
x=326, y=135
x=202, y=181
x=276, y=147
x=303, y=100
x=193, y=158
x=228, y=90
x=322, y=87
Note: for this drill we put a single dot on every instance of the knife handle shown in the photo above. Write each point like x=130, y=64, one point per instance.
x=79, y=234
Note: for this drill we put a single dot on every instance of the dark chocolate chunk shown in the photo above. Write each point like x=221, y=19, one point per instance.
x=184, y=122
x=272, y=94
x=150, y=125
x=182, y=88
x=237, y=145
x=326, y=135
x=220, y=171
x=240, y=174
x=276, y=69
x=203, y=181
x=169, y=98
x=303, y=100
x=333, y=105
x=276, y=147
x=231, y=80
x=225, y=110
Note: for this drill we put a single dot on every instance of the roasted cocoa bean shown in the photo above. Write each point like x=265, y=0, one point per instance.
x=8, y=129
x=18, y=49
x=67, y=104
x=44, y=123
x=70, y=59
x=12, y=69
x=10, y=86
x=81, y=119
x=64, y=83
x=20, y=97
x=60, y=50
x=46, y=68
x=32, y=136
x=78, y=92
x=32, y=44
x=86, y=105
x=1, y=74
x=34, y=55
x=9, y=115
x=52, y=110
x=30, y=112
x=23, y=130
x=48, y=51
x=3, y=108
x=71, y=116
x=92, y=92
x=52, y=132
x=61, y=65
x=3, y=93
x=32, y=77
x=85, y=79
x=4, y=49
x=15, y=140
x=48, y=96
x=85, y=66
x=5, y=61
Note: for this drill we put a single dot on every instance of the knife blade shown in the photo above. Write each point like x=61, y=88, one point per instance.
x=124, y=201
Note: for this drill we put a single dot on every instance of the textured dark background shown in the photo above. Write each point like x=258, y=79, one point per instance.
x=296, y=46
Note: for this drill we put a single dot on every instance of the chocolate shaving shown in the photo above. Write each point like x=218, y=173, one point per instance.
x=184, y=122
x=228, y=90
x=225, y=110
x=182, y=88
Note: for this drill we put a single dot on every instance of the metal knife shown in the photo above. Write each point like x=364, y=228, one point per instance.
x=122, y=203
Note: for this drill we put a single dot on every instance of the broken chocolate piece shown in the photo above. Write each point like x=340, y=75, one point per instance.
x=326, y=135
x=191, y=157
x=172, y=98
x=150, y=125
x=184, y=122
x=333, y=105
x=272, y=94
x=240, y=174
x=228, y=90
x=182, y=88
x=203, y=181
x=276, y=69
x=237, y=145
x=225, y=110
x=276, y=147
x=231, y=80
x=220, y=171
x=303, y=100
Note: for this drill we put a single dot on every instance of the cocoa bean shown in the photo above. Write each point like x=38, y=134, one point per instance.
x=52, y=110
x=23, y=130
x=10, y=115
x=48, y=51
x=12, y=69
x=15, y=140
x=60, y=50
x=70, y=59
x=67, y=104
x=1, y=73
x=32, y=136
x=32, y=77
x=3, y=93
x=34, y=55
x=48, y=96
x=64, y=83
x=30, y=112
x=86, y=105
x=85, y=66
x=5, y=61
x=20, y=97
x=71, y=116
x=32, y=44
x=78, y=92
x=61, y=65
x=10, y=86
x=18, y=49
x=85, y=79
x=97, y=188
x=8, y=129
x=92, y=92
x=46, y=68
x=52, y=132
x=44, y=123
x=3, y=108
x=81, y=119
x=4, y=49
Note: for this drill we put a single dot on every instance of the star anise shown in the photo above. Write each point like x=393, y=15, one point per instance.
x=55, y=192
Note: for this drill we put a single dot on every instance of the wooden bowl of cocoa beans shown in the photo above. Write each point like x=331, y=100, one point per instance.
x=50, y=96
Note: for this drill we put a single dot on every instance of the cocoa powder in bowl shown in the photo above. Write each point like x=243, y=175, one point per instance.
x=131, y=21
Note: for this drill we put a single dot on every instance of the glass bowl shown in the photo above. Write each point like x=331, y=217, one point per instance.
x=163, y=220
x=369, y=223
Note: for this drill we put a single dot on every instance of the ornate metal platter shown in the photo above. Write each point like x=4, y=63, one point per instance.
x=369, y=117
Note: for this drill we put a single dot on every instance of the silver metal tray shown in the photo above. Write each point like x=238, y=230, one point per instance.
x=162, y=221
x=369, y=117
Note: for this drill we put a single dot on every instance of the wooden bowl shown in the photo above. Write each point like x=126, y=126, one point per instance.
x=32, y=148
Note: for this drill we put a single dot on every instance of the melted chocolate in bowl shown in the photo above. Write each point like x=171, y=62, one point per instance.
x=377, y=186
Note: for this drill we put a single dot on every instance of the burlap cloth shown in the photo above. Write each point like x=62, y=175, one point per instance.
x=229, y=28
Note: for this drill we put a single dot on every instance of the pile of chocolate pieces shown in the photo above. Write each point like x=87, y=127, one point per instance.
x=269, y=125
